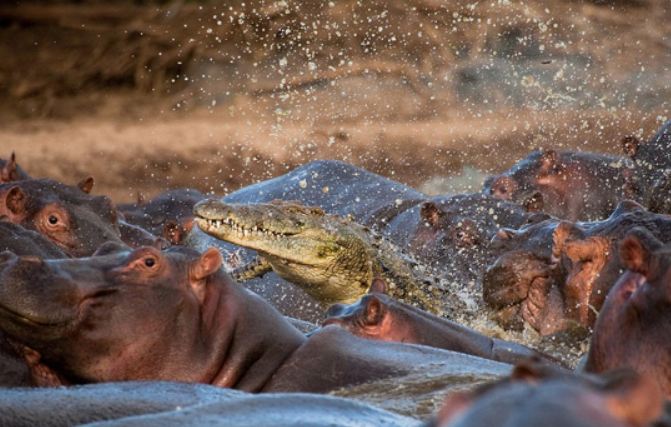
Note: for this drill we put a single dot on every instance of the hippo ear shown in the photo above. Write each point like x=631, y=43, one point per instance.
x=562, y=232
x=172, y=232
x=9, y=172
x=374, y=310
x=636, y=250
x=548, y=160
x=633, y=398
x=16, y=200
x=86, y=184
x=209, y=263
x=430, y=213
x=534, y=203
x=378, y=285
x=630, y=146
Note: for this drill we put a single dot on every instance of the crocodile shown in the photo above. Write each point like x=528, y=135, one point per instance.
x=333, y=258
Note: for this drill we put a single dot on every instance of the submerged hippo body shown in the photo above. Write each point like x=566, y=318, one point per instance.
x=633, y=326
x=336, y=187
x=179, y=404
x=555, y=274
x=572, y=185
x=174, y=315
x=10, y=170
x=533, y=397
x=379, y=317
x=75, y=221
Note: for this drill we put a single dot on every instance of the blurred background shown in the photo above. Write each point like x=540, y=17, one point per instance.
x=149, y=95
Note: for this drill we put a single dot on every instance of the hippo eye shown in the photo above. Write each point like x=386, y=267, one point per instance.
x=53, y=219
x=150, y=262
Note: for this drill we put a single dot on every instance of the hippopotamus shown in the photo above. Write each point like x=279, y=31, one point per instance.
x=166, y=214
x=533, y=397
x=652, y=168
x=573, y=185
x=146, y=314
x=130, y=234
x=13, y=370
x=377, y=316
x=169, y=403
x=452, y=234
x=633, y=325
x=336, y=187
x=69, y=216
x=11, y=171
x=554, y=275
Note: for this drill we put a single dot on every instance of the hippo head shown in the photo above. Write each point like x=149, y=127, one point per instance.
x=555, y=274
x=542, y=396
x=456, y=230
x=368, y=318
x=68, y=216
x=116, y=316
x=633, y=326
x=524, y=282
x=174, y=207
x=524, y=177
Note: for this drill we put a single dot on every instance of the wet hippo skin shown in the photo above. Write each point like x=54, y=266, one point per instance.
x=379, y=317
x=573, y=185
x=13, y=369
x=533, y=397
x=166, y=403
x=174, y=315
x=69, y=216
x=633, y=326
x=651, y=180
x=554, y=275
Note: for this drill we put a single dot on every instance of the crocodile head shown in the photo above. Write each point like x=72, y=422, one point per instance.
x=329, y=256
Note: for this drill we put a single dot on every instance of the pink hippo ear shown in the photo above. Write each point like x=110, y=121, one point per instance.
x=9, y=172
x=373, y=313
x=15, y=201
x=209, y=263
x=636, y=250
x=633, y=398
x=630, y=146
x=548, y=160
x=535, y=203
x=430, y=214
x=378, y=285
x=86, y=184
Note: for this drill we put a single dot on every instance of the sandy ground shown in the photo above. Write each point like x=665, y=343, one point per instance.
x=201, y=150
x=217, y=96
